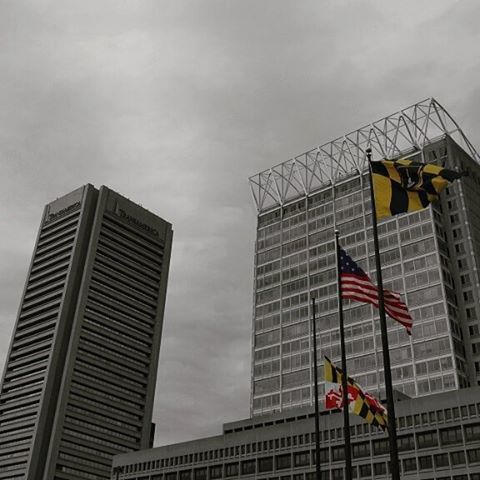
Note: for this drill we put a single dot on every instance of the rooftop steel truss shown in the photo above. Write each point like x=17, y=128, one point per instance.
x=400, y=134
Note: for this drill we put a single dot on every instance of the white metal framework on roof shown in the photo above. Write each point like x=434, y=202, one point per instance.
x=406, y=131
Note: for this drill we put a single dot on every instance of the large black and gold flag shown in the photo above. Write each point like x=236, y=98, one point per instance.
x=359, y=402
x=405, y=186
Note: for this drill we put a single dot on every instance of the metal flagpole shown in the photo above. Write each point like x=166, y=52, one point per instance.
x=315, y=381
x=346, y=420
x=392, y=429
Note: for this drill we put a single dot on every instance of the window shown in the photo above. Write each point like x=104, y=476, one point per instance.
x=441, y=460
x=425, y=463
x=381, y=446
x=337, y=474
x=451, y=436
x=380, y=468
x=200, y=474
x=472, y=432
x=458, y=458
x=283, y=461
x=427, y=439
x=301, y=458
x=474, y=455
x=455, y=218
x=312, y=476
x=409, y=465
x=405, y=443
x=186, y=475
x=231, y=469
x=473, y=330
x=265, y=464
x=215, y=472
x=468, y=296
x=247, y=467
x=338, y=453
x=361, y=450
x=323, y=455
x=365, y=471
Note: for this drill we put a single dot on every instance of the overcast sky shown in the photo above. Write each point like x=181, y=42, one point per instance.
x=175, y=104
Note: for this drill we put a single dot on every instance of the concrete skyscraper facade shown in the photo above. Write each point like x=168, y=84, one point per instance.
x=431, y=257
x=79, y=381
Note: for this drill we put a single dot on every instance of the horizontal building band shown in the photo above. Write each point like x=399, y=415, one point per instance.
x=438, y=436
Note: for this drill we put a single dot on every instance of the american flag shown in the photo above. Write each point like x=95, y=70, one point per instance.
x=356, y=285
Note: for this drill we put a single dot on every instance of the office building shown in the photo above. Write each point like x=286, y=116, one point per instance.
x=79, y=381
x=438, y=437
x=431, y=257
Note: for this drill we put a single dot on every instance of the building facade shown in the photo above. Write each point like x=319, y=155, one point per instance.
x=431, y=257
x=438, y=437
x=79, y=380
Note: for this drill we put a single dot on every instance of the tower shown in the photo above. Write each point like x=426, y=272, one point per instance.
x=80, y=375
x=430, y=256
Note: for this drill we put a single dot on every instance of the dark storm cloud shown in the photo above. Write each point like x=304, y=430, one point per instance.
x=175, y=104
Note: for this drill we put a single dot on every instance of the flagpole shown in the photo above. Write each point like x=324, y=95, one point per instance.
x=315, y=383
x=346, y=420
x=392, y=429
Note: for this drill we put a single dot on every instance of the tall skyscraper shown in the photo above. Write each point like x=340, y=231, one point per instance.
x=79, y=381
x=431, y=257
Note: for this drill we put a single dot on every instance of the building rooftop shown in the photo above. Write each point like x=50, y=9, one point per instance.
x=400, y=134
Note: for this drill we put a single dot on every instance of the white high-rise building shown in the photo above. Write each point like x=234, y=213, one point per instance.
x=431, y=257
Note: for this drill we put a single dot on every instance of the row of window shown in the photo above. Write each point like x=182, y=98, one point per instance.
x=454, y=435
x=306, y=458
x=354, y=226
x=345, y=208
x=321, y=198
x=389, y=257
x=379, y=469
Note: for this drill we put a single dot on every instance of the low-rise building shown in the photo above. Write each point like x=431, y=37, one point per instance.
x=438, y=438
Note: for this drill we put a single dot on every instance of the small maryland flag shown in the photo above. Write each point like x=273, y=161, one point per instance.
x=359, y=402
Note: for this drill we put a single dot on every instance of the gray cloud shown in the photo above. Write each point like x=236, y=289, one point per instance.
x=175, y=104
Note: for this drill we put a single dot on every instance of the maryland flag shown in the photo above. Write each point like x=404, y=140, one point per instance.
x=359, y=402
x=406, y=186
